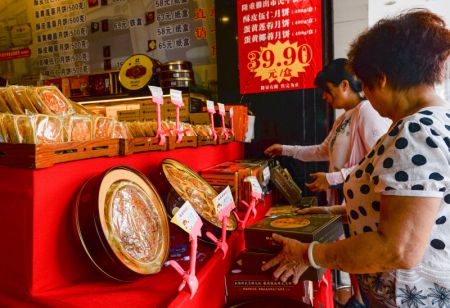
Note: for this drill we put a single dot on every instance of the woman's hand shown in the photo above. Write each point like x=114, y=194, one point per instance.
x=291, y=261
x=274, y=150
x=320, y=182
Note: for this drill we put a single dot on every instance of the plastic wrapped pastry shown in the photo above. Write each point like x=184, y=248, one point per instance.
x=19, y=128
x=19, y=100
x=103, y=127
x=49, y=100
x=78, y=128
x=48, y=129
x=119, y=130
x=3, y=105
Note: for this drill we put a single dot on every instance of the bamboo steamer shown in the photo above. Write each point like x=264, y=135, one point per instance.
x=120, y=221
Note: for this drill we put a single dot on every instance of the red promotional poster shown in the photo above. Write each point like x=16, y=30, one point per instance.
x=280, y=44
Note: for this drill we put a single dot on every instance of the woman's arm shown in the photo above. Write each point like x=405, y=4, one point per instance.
x=400, y=241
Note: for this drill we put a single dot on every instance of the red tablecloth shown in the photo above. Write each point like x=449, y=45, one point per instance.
x=41, y=262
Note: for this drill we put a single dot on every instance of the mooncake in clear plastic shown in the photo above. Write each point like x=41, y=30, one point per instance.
x=3, y=105
x=78, y=128
x=20, y=99
x=120, y=130
x=103, y=127
x=20, y=128
x=48, y=129
x=49, y=100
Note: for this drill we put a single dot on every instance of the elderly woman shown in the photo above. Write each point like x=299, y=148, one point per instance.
x=398, y=197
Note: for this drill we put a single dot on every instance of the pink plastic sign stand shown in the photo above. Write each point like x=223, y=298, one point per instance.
x=222, y=214
x=194, y=229
x=222, y=115
x=177, y=100
x=256, y=196
x=231, y=121
x=211, y=111
x=157, y=98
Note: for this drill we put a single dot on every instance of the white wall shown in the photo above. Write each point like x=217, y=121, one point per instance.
x=351, y=17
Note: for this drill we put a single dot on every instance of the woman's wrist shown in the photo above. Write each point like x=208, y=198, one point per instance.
x=311, y=260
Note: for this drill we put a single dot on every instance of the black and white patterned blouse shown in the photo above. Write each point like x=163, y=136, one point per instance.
x=412, y=159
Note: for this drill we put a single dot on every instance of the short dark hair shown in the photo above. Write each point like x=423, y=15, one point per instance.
x=410, y=49
x=334, y=72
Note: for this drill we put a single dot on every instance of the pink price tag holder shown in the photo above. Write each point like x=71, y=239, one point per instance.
x=211, y=111
x=157, y=98
x=177, y=99
x=187, y=218
x=222, y=115
x=224, y=205
x=256, y=196
x=231, y=121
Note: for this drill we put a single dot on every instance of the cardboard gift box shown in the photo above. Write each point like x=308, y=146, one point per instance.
x=305, y=228
x=240, y=287
x=232, y=173
x=253, y=260
x=283, y=181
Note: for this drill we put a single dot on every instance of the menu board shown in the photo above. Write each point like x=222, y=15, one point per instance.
x=57, y=38
x=280, y=44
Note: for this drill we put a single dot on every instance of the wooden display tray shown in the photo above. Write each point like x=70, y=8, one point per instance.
x=141, y=144
x=222, y=140
x=186, y=142
x=206, y=140
x=46, y=155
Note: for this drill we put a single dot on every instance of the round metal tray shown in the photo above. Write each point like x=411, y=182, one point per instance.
x=121, y=223
x=191, y=186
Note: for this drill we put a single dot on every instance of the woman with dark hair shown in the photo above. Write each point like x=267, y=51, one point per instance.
x=398, y=197
x=352, y=136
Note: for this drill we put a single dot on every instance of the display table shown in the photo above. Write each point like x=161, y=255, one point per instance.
x=42, y=263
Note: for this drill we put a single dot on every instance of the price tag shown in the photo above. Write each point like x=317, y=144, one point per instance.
x=224, y=203
x=266, y=175
x=187, y=219
x=221, y=108
x=210, y=106
x=157, y=94
x=231, y=112
x=256, y=188
x=176, y=97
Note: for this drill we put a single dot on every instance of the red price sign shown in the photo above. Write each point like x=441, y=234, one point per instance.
x=280, y=61
x=279, y=43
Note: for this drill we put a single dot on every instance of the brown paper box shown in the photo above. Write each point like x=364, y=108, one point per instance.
x=305, y=228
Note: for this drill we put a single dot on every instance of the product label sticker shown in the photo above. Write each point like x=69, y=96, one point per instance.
x=224, y=203
x=176, y=97
x=188, y=219
x=157, y=94
x=221, y=108
x=210, y=106
x=256, y=188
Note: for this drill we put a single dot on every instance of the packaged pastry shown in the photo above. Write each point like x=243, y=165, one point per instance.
x=78, y=128
x=135, y=129
x=119, y=130
x=3, y=135
x=19, y=99
x=148, y=129
x=48, y=129
x=11, y=101
x=102, y=127
x=79, y=109
x=3, y=105
x=189, y=130
x=19, y=128
x=49, y=100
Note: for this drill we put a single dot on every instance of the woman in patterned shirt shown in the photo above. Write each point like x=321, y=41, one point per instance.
x=398, y=197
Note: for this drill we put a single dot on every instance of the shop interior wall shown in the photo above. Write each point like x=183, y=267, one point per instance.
x=288, y=117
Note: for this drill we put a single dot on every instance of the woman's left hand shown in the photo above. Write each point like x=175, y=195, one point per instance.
x=291, y=261
x=320, y=182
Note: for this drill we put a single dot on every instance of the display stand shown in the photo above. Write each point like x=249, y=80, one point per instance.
x=158, y=99
x=42, y=264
